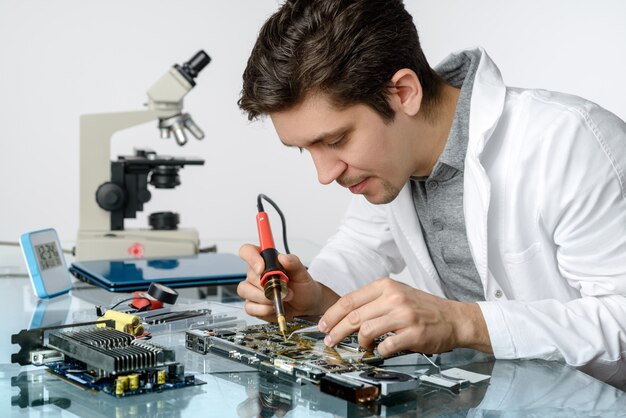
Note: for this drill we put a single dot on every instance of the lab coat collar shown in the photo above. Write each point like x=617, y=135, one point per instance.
x=487, y=97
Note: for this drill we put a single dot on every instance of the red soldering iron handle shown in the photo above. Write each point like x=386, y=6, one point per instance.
x=268, y=251
x=265, y=231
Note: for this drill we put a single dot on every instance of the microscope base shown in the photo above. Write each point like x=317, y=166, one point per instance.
x=136, y=243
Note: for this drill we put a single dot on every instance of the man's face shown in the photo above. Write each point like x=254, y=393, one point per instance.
x=352, y=146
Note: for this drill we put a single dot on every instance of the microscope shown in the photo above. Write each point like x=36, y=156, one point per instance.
x=111, y=191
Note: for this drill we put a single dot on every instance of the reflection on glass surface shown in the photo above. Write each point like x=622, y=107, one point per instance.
x=518, y=388
x=611, y=373
x=544, y=388
x=41, y=390
x=51, y=312
x=266, y=396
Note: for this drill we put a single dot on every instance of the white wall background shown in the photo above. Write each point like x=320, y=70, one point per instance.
x=60, y=59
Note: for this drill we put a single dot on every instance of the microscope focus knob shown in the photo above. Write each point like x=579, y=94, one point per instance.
x=144, y=196
x=110, y=196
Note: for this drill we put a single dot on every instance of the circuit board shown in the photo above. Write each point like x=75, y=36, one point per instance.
x=137, y=383
x=103, y=359
x=116, y=363
x=301, y=358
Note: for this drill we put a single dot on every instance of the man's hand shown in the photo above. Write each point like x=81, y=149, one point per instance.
x=420, y=321
x=304, y=296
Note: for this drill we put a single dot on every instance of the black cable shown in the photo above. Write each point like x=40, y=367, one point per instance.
x=259, y=205
x=142, y=309
x=100, y=312
x=126, y=300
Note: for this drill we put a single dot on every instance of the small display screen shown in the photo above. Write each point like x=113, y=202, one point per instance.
x=48, y=255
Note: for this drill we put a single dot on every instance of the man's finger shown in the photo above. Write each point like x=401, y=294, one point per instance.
x=348, y=303
x=373, y=328
x=253, y=279
x=290, y=262
x=250, y=254
x=289, y=296
x=265, y=312
x=404, y=340
x=355, y=319
x=250, y=292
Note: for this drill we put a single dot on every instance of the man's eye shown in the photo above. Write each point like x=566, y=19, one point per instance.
x=336, y=143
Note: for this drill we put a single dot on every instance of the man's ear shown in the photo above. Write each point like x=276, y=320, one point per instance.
x=406, y=92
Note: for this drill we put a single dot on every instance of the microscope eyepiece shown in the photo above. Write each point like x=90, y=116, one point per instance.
x=192, y=68
x=197, y=63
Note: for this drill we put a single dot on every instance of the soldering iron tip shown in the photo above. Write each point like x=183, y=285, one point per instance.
x=282, y=325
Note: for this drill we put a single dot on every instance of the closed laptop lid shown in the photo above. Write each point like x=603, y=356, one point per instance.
x=136, y=274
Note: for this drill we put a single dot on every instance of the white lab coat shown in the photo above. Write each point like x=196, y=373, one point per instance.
x=545, y=211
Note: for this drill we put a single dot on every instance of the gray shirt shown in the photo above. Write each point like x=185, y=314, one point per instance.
x=438, y=198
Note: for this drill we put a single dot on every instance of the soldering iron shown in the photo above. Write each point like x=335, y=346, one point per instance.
x=273, y=279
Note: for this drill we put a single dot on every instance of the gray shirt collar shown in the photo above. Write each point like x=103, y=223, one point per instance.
x=459, y=71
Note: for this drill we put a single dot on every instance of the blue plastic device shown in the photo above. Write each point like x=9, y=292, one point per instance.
x=46, y=263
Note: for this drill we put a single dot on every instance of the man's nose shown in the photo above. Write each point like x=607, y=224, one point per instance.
x=328, y=167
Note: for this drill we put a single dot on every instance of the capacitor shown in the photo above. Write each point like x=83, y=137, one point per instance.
x=133, y=381
x=119, y=387
x=161, y=377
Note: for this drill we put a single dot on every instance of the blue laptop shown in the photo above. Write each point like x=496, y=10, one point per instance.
x=137, y=274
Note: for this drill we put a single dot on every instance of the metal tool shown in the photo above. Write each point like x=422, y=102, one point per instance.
x=274, y=279
x=439, y=379
x=305, y=330
x=111, y=191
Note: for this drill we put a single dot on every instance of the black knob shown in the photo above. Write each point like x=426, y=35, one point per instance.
x=164, y=220
x=192, y=68
x=197, y=63
x=144, y=196
x=110, y=196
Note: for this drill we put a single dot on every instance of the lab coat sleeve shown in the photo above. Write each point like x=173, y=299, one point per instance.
x=361, y=250
x=581, y=210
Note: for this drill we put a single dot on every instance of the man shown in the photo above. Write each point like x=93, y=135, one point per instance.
x=507, y=206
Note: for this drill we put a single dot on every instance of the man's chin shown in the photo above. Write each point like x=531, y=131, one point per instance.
x=377, y=199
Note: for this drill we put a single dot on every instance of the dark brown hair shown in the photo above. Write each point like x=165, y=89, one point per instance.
x=347, y=49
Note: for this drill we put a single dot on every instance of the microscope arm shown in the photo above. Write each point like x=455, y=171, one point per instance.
x=96, y=131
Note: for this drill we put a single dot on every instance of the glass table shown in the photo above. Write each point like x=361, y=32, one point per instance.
x=518, y=388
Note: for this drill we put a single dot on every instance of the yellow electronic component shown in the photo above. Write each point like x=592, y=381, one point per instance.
x=139, y=330
x=161, y=377
x=133, y=381
x=130, y=324
x=119, y=387
x=124, y=380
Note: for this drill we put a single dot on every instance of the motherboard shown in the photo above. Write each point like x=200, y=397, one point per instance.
x=346, y=370
x=104, y=359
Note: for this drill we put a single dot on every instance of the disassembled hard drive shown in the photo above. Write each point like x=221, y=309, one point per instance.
x=102, y=359
x=346, y=371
